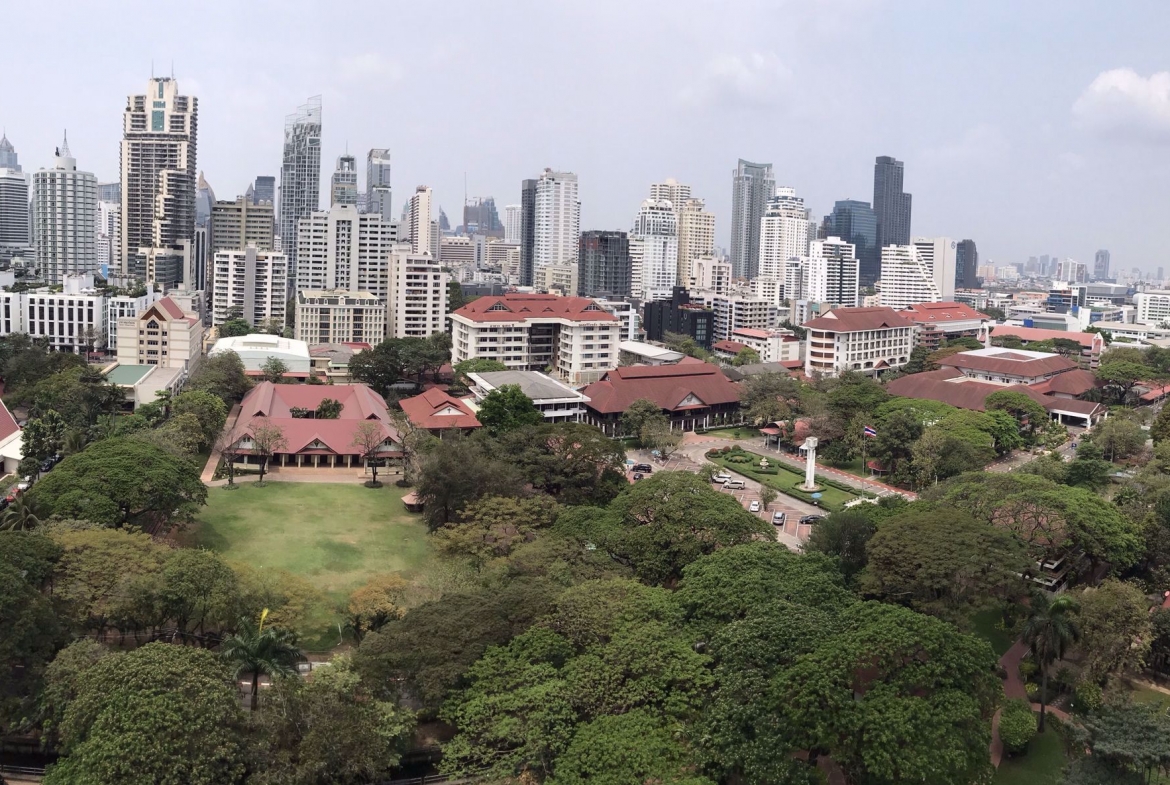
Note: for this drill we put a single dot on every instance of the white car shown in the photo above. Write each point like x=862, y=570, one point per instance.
x=721, y=478
x=779, y=517
x=754, y=506
x=23, y=486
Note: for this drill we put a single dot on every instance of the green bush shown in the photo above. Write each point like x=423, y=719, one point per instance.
x=1063, y=680
x=1086, y=697
x=738, y=459
x=1017, y=726
x=1027, y=669
x=1033, y=691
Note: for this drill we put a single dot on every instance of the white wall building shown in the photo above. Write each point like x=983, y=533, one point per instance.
x=831, y=274
x=1153, y=307
x=737, y=311
x=627, y=314
x=163, y=334
x=420, y=230
x=696, y=235
x=654, y=251
x=867, y=340
x=557, y=219
x=456, y=251
x=769, y=289
x=512, y=217
x=416, y=295
x=783, y=233
x=123, y=307
x=72, y=320
x=910, y=277
x=670, y=190
x=562, y=279
x=64, y=218
x=710, y=273
x=773, y=346
x=341, y=248
x=251, y=285
x=339, y=316
x=256, y=349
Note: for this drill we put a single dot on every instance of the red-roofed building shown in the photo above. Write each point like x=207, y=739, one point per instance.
x=727, y=350
x=693, y=394
x=313, y=442
x=163, y=334
x=866, y=340
x=1092, y=344
x=947, y=320
x=1009, y=366
x=11, y=443
x=774, y=345
x=438, y=412
x=574, y=336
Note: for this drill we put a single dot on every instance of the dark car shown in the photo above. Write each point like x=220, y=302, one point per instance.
x=642, y=467
x=637, y=476
x=812, y=518
x=47, y=465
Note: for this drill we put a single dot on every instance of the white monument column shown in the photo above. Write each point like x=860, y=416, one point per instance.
x=810, y=463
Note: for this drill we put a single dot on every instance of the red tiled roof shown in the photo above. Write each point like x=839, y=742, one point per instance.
x=8, y=424
x=753, y=332
x=424, y=411
x=734, y=347
x=522, y=307
x=173, y=309
x=1074, y=382
x=666, y=385
x=1011, y=363
x=940, y=313
x=848, y=320
x=1036, y=334
x=936, y=386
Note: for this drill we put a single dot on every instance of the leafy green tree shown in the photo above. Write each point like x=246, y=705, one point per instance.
x=627, y=749
x=159, y=714
x=267, y=440
x=456, y=472
x=234, y=327
x=1119, y=377
x=894, y=444
x=1017, y=726
x=1119, y=437
x=63, y=681
x=379, y=367
x=42, y=437
x=1089, y=469
x=638, y=414
x=1160, y=430
x=765, y=396
x=1114, y=623
x=767, y=496
x=29, y=636
x=1029, y=415
x=455, y=298
x=329, y=409
x=21, y=515
x=917, y=362
x=494, y=525
x=274, y=370
x=199, y=590
x=254, y=651
x=853, y=393
x=507, y=408
x=746, y=356
x=32, y=554
x=208, y=409
x=222, y=375
x=122, y=482
x=1127, y=742
x=573, y=462
x=370, y=439
x=657, y=435
x=24, y=361
x=940, y=453
x=843, y=536
x=375, y=603
x=1050, y=628
x=182, y=435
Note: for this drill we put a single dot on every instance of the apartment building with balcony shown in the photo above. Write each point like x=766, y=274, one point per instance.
x=249, y=284
x=416, y=295
x=867, y=340
x=339, y=316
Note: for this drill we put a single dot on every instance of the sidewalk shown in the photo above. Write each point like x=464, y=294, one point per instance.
x=1013, y=688
x=214, y=458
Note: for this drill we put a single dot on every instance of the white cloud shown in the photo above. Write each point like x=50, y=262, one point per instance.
x=980, y=142
x=755, y=80
x=1123, y=104
x=369, y=66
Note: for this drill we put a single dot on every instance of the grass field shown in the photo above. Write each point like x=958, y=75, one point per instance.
x=785, y=481
x=335, y=536
x=733, y=433
x=986, y=624
x=1040, y=765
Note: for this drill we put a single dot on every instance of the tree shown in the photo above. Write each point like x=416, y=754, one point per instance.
x=649, y=750
x=455, y=298
x=765, y=396
x=638, y=414
x=572, y=462
x=370, y=438
x=29, y=635
x=274, y=370
x=1017, y=726
x=267, y=440
x=63, y=682
x=121, y=482
x=917, y=362
x=852, y=393
x=415, y=442
x=1114, y=623
x=1119, y=437
x=1049, y=629
x=746, y=356
x=379, y=367
x=42, y=437
x=1127, y=742
x=507, y=408
x=494, y=526
x=254, y=651
x=374, y=604
x=657, y=435
x=843, y=536
x=1160, y=430
x=1119, y=377
x=234, y=327
x=457, y=471
x=767, y=496
x=894, y=444
x=223, y=375
x=1089, y=469
x=199, y=591
x=329, y=409
x=20, y=515
x=181, y=435
x=1028, y=414
x=227, y=444
x=209, y=410
x=478, y=365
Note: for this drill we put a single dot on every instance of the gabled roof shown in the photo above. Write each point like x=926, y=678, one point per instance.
x=941, y=313
x=947, y=386
x=850, y=320
x=8, y=425
x=1086, y=340
x=435, y=409
x=733, y=347
x=673, y=387
x=1075, y=382
x=1007, y=362
x=525, y=307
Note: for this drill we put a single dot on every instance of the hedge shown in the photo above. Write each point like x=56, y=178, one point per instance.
x=1017, y=726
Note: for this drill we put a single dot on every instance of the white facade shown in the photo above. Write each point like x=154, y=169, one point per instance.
x=343, y=249
x=256, y=349
x=420, y=230
x=710, y=273
x=73, y=320
x=14, y=218
x=940, y=254
x=559, y=279
x=125, y=307
x=831, y=274
x=1072, y=271
x=379, y=195
x=456, y=251
x=251, y=285
x=773, y=346
x=109, y=233
x=300, y=175
x=867, y=340
x=696, y=235
x=163, y=334
x=339, y=317
x=654, y=251
x=769, y=289
x=512, y=218
x=736, y=312
x=417, y=295
x=783, y=233
x=626, y=314
x=557, y=220
x=64, y=218
x=670, y=190
x=1152, y=307
x=907, y=278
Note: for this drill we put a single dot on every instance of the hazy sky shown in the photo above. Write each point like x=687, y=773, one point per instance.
x=1033, y=127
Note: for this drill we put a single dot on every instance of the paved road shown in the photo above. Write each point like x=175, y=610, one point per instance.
x=1020, y=458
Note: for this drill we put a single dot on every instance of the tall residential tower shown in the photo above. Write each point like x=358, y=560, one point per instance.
x=891, y=204
x=300, y=175
x=65, y=212
x=752, y=186
x=378, y=193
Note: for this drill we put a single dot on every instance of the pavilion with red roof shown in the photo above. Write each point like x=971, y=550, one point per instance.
x=693, y=394
x=438, y=412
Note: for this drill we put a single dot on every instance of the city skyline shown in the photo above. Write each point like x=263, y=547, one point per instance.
x=1094, y=128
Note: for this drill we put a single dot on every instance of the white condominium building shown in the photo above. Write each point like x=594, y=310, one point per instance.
x=574, y=336
x=696, y=235
x=556, y=219
x=1152, y=307
x=783, y=233
x=64, y=218
x=654, y=251
x=831, y=274
x=868, y=340
x=736, y=312
x=339, y=316
x=457, y=251
x=670, y=190
x=341, y=248
x=241, y=223
x=710, y=273
x=420, y=230
x=251, y=285
x=512, y=218
x=417, y=295
x=72, y=320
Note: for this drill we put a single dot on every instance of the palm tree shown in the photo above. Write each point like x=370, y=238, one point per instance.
x=21, y=515
x=74, y=442
x=254, y=652
x=1049, y=630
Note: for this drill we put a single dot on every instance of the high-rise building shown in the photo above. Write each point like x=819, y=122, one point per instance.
x=654, y=251
x=1072, y=271
x=343, y=187
x=940, y=255
x=752, y=186
x=512, y=218
x=159, y=142
x=480, y=217
x=670, y=190
x=831, y=273
x=696, y=235
x=417, y=296
x=604, y=268
x=783, y=233
x=300, y=176
x=855, y=223
x=378, y=192
x=340, y=248
x=14, y=215
x=527, y=231
x=236, y=225
x=921, y=272
x=64, y=218
x=110, y=192
x=264, y=190
x=891, y=204
x=557, y=222
x=109, y=229
x=967, y=262
x=420, y=230
x=710, y=273
x=680, y=316
x=251, y=285
x=1101, y=265
x=204, y=201
x=339, y=316
x=8, y=156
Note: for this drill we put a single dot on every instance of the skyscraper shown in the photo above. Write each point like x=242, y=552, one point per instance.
x=13, y=210
x=967, y=262
x=8, y=157
x=341, y=248
x=830, y=274
x=204, y=201
x=378, y=193
x=264, y=190
x=605, y=264
x=557, y=219
x=512, y=223
x=752, y=186
x=670, y=190
x=64, y=218
x=654, y=251
x=783, y=233
x=159, y=134
x=891, y=204
x=480, y=217
x=1101, y=265
x=419, y=227
x=696, y=235
x=300, y=175
x=855, y=223
x=110, y=192
x=343, y=188
x=527, y=231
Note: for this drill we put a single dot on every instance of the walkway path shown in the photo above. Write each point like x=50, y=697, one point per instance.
x=214, y=458
x=1013, y=688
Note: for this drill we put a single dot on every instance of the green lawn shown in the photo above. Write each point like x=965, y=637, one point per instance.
x=785, y=481
x=1142, y=694
x=335, y=536
x=733, y=433
x=1040, y=765
x=987, y=625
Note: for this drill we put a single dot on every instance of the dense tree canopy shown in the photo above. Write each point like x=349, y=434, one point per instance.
x=507, y=408
x=221, y=375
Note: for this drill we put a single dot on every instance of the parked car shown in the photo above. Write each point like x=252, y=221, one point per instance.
x=23, y=486
x=642, y=467
x=812, y=518
x=47, y=465
x=734, y=485
x=638, y=476
x=754, y=506
x=721, y=478
x=779, y=517
x=10, y=498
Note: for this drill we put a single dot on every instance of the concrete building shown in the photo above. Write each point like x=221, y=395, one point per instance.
x=72, y=320
x=64, y=218
x=251, y=285
x=783, y=233
x=556, y=220
x=264, y=190
x=555, y=400
x=604, y=267
x=831, y=274
x=696, y=235
x=109, y=230
x=1153, y=307
x=456, y=251
x=1101, y=265
x=627, y=316
x=164, y=334
x=856, y=223
x=1092, y=344
x=480, y=217
x=416, y=295
x=752, y=186
x=512, y=217
x=772, y=345
x=339, y=316
x=8, y=157
x=574, y=336
x=341, y=248
x=707, y=272
x=670, y=190
x=420, y=230
x=14, y=215
x=891, y=204
x=256, y=349
x=654, y=251
x=922, y=272
x=966, y=265
x=527, y=231
x=866, y=340
x=938, y=320
x=159, y=143
x=125, y=306
x=504, y=257
x=300, y=175
x=343, y=188
x=378, y=192
x=738, y=311
x=679, y=316
x=692, y=395
x=238, y=224
x=562, y=279
x=1071, y=271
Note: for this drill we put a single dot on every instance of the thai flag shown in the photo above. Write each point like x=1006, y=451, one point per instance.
x=870, y=431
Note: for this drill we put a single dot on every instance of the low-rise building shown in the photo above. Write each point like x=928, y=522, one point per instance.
x=680, y=316
x=692, y=394
x=255, y=349
x=142, y=384
x=124, y=306
x=639, y=353
x=736, y=311
x=330, y=361
x=1092, y=344
x=773, y=346
x=72, y=320
x=164, y=334
x=339, y=316
x=555, y=400
x=867, y=340
x=439, y=413
x=937, y=321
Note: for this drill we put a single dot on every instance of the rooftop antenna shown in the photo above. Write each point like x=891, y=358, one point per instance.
x=172, y=69
x=152, y=69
